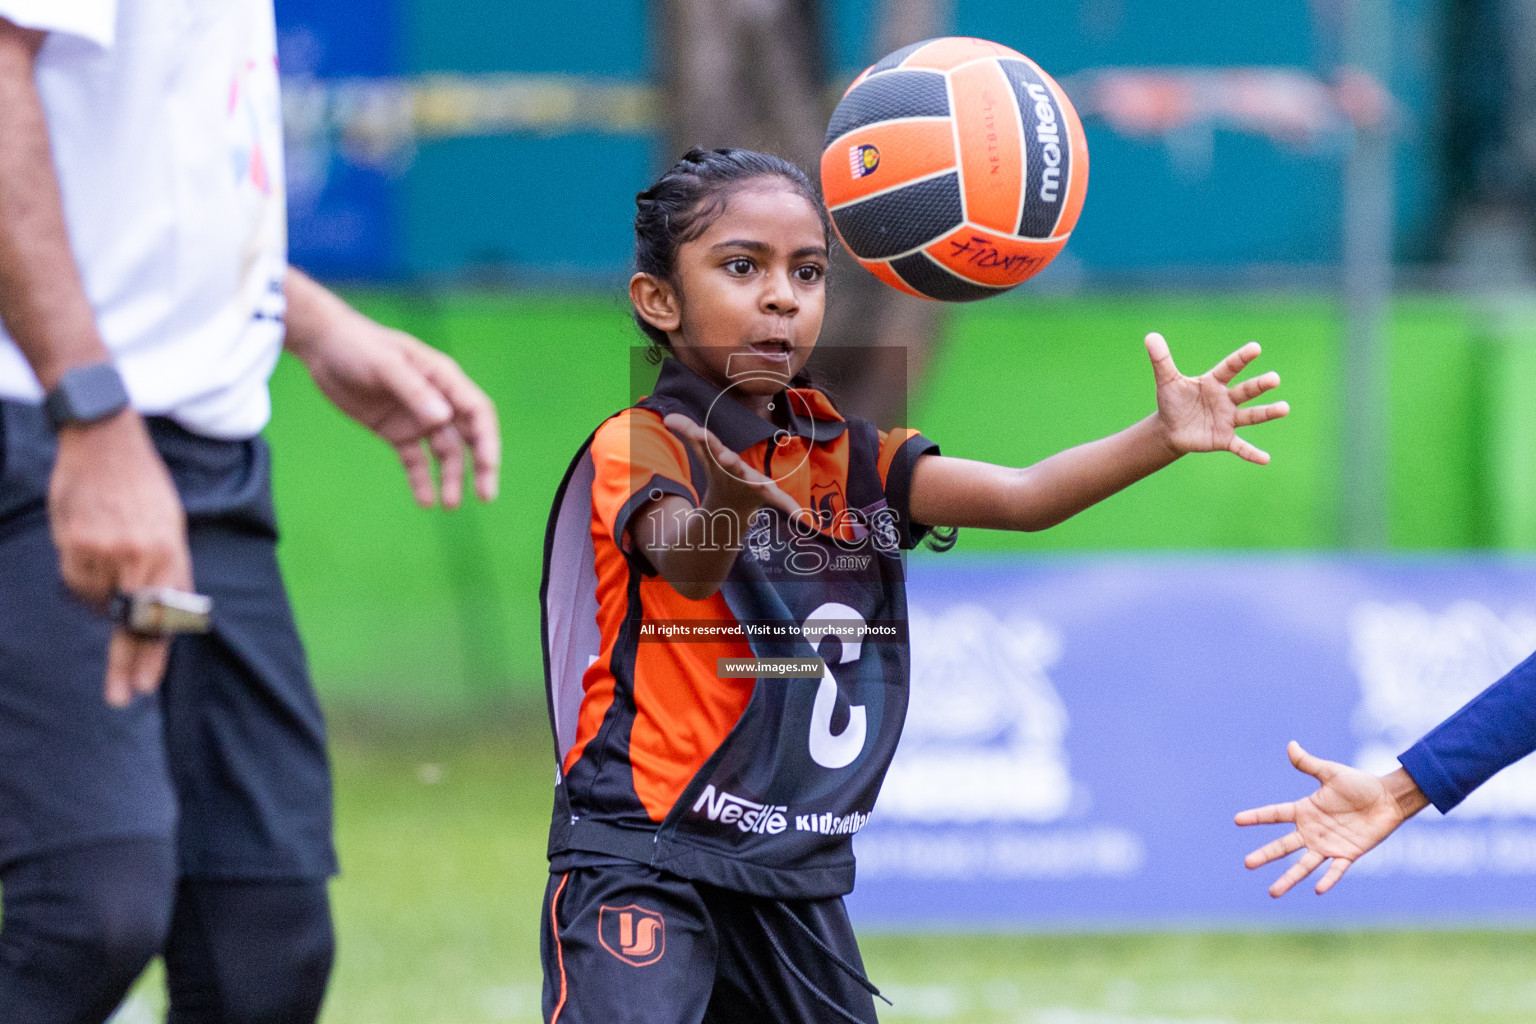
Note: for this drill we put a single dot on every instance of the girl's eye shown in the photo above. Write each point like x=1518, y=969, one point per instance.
x=739, y=267
x=809, y=273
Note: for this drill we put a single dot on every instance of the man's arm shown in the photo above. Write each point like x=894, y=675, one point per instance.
x=115, y=516
x=407, y=392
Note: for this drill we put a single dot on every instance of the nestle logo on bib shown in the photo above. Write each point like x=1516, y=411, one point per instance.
x=729, y=809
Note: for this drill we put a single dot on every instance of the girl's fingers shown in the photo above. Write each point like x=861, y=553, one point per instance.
x=1233, y=365
x=1335, y=872
x=1163, y=368
x=680, y=424
x=711, y=450
x=1252, y=388
x=1243, y=450
x=1272, y=814
x=778, y=499
x=1301, y=869
x=1282, y=847
x=705, y=445
x=1261, y=414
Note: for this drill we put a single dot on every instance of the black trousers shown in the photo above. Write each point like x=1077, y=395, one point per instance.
x=82, y=922
x=217, y=783
x=623, y=943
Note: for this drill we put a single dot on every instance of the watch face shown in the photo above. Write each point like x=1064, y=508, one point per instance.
x=86, y=394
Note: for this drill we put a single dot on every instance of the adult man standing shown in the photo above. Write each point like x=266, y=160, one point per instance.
x=145, y=293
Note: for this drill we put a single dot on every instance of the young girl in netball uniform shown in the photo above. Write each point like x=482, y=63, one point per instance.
x=731, y=521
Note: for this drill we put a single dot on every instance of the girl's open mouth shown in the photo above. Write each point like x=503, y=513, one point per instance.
x=773, y=348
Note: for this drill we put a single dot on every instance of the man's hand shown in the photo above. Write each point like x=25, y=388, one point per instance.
x=410, y=394
x=118, y=525
x=115, y=516
x=1349, y=815
x=1202, y=414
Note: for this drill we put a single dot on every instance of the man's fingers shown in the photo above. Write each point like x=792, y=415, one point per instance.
x=1252, y=388
x=474, y=414
x=448, y=448
x=1243, y=450
x=1261, y=414
x=136, y=663
x=1271, y=814
x=1163, y=368
x=134, y=666
x=415, y=390
x=418, y=472
x=1301, y=869
x=89, y=573
x=1335, y=872
x=147, y=662
x=119, y=683
x=1282, y=847
x=1230, y=367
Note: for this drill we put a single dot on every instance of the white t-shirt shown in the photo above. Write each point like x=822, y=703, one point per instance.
x=166, y=127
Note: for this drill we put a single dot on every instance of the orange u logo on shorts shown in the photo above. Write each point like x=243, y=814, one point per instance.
x=633, y=934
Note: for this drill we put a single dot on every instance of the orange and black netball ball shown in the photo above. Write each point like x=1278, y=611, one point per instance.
x=954, y=169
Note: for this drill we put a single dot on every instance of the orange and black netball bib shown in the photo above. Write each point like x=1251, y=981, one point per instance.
x=739, y=740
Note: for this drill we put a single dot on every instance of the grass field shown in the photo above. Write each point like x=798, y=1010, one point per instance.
x=442, y=838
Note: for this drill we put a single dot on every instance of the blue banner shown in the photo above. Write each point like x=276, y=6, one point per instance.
x=1082, y=731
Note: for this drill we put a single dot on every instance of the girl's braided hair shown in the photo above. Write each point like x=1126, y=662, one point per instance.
x=685, y=201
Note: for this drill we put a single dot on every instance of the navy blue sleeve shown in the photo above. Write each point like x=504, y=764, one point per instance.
x=898, y=487
x=1491, y=732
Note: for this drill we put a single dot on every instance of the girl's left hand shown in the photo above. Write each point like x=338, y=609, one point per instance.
x=1202, y=414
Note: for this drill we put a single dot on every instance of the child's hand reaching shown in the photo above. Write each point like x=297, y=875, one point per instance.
x=732, y=484
x=1202, y=414
x=1349, y=815
x=688, y=550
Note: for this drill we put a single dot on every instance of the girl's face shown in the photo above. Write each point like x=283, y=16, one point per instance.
x=745, y=304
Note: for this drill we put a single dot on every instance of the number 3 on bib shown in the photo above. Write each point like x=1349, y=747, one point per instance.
x=827, y=749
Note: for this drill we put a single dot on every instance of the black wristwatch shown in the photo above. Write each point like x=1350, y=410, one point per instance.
x=86, y=394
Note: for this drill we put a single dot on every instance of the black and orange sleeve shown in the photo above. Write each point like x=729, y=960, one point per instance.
x=899, y=451
x=635, y=459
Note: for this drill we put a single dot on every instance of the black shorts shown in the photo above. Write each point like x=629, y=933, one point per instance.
x=230, y=756
x=623, y=943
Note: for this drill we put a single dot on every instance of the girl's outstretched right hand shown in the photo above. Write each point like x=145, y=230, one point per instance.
x=731, y=483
